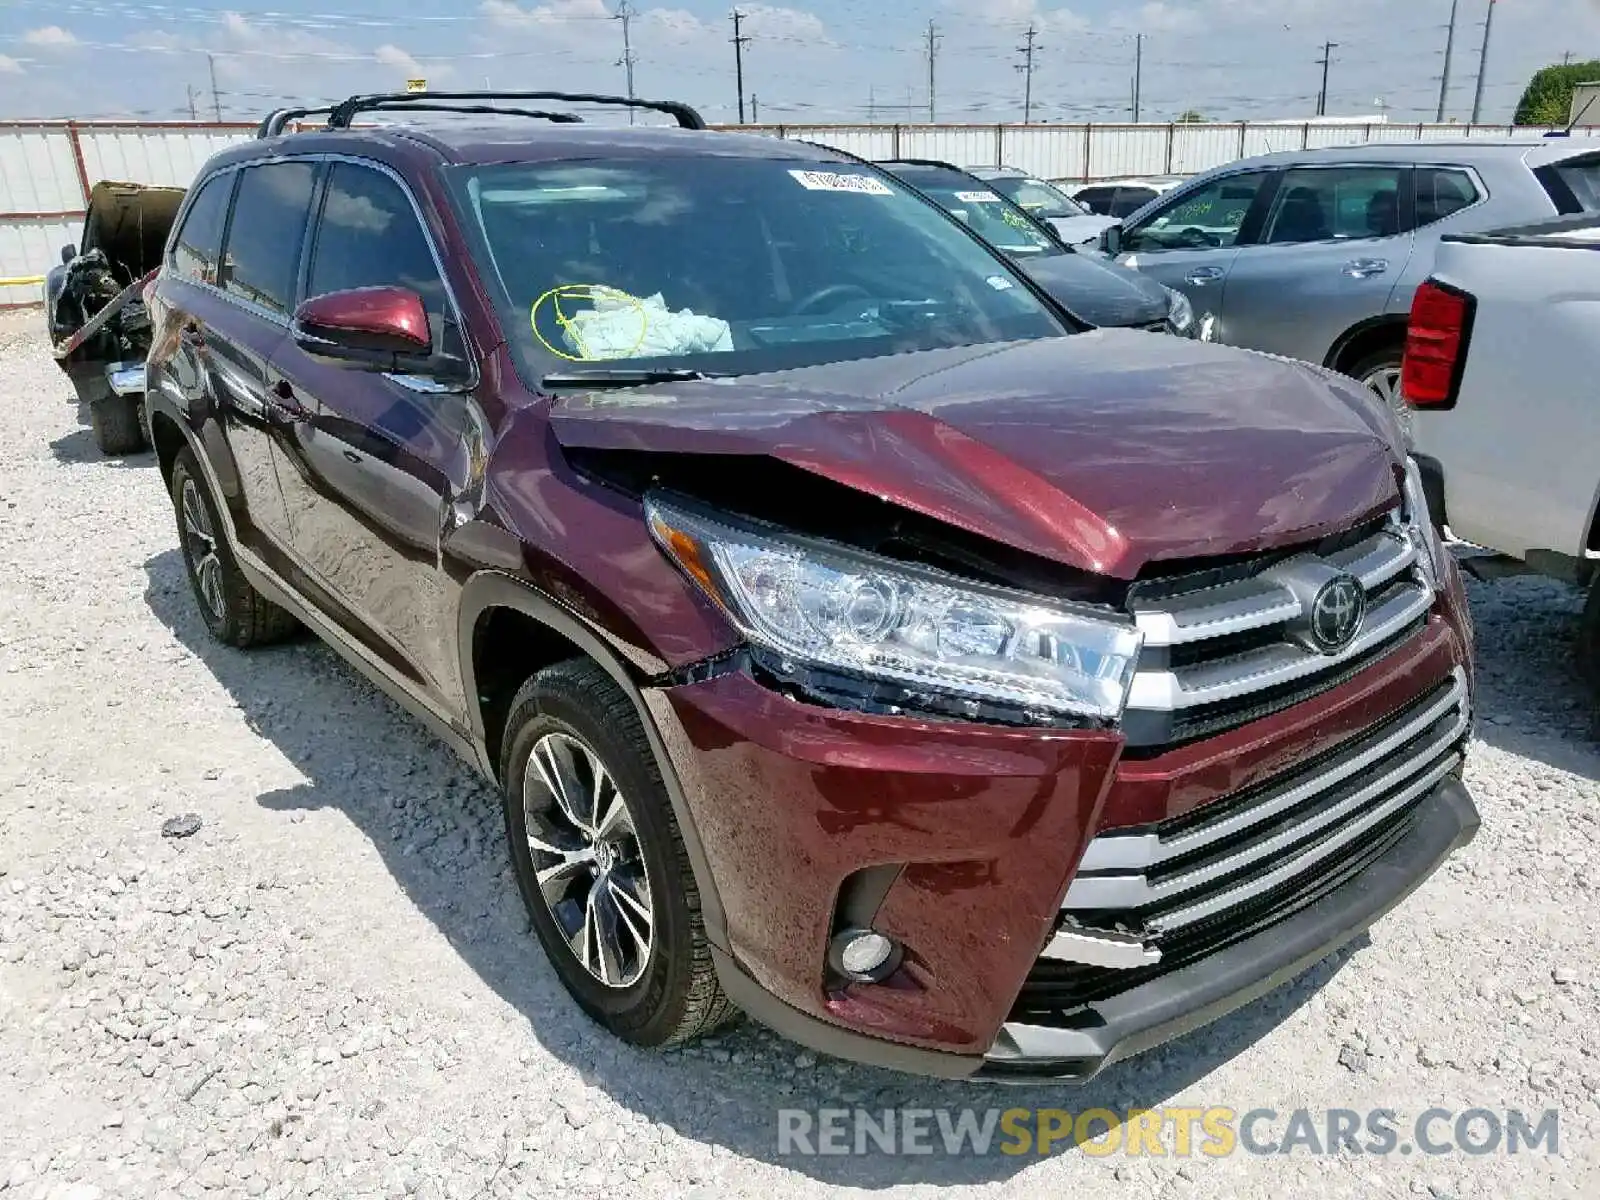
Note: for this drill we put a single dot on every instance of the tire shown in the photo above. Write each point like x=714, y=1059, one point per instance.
x=117, y=427
x=234, y=612
x=1379, y=373
x=1588, y=646
x=659, y=992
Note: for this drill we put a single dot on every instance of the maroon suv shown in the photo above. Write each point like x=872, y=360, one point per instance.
x=856, y=639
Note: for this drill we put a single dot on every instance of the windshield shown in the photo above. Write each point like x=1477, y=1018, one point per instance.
x=1037, y=196
x=986, y=212
x=728, y=266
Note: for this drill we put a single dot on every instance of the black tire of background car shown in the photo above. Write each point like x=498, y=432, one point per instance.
x=1588, y=647
x=248, y=618
x=678, y=999
x=117, y=427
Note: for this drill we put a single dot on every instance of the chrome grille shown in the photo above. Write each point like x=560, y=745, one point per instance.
x=1158, y=880
x=1210, y=650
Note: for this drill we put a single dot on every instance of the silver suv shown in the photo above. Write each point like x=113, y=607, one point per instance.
x=1315, y=254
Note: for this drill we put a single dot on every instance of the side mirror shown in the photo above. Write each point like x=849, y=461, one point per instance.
x=376, y=329
x=1111, y=240
x=68, y=253
x=368, y=326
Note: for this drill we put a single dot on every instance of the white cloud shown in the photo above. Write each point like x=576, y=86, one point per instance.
x=50, y=35
x=392, y=56
x=9, y=65
x=556, y=12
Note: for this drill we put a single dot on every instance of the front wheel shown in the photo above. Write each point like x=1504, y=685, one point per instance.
x=117, y=426
x=600, y=862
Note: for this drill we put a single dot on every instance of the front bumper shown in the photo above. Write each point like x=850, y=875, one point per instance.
x=1173, y=1005
x=960, y=841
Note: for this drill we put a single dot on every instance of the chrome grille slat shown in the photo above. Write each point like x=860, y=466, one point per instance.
x=1137, y=851
x=1150, y=883
x=1215, y=612
x=1378, y=560
x=1136, y=891
x=1269, y=666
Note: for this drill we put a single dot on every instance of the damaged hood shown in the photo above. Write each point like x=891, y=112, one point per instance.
x=1105, y=451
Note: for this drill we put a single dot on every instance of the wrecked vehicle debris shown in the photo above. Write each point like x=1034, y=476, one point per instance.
x=95, y=309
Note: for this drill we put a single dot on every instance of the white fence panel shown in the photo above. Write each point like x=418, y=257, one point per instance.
x=1118, y=150
x=37, y=171
x=867, y=141
x=1198, y=148
x=964, y=145
x=29, y=247
x=1048, y=151
x=152, y=155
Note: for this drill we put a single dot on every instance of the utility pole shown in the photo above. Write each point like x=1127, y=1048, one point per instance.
x=933, y=53
x=1483, y=64
x=625, y=15
x=1138, y=74
x=194, y=113
x=1026, y=68
x=1566, y=59
x=755, y=109
x=216, y=96
x=739, y=40
x=1327, y=57
x=1449, y=49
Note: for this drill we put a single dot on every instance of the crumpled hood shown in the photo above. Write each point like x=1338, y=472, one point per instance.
x=1106, y=450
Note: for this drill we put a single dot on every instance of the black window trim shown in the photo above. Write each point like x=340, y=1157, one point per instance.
x=277, y=318
x=169, y=256
x=1407, y=200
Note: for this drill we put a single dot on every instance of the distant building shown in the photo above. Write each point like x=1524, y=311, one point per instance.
x=1586, y=104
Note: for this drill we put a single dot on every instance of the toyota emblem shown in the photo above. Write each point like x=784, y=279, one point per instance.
x=1337, y=612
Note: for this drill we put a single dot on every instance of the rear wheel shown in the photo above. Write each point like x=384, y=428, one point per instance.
x=1379, y=373
x=600, y=862
x=1588, y=647
x=117, y=427
x=232, y=609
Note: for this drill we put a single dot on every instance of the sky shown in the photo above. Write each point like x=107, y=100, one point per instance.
x=812, y=61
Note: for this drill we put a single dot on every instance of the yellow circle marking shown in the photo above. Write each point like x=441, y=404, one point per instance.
x=590, y=292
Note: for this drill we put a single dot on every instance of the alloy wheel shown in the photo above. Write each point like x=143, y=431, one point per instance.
x=586, y=859
x=1384, y=383
x=200, y=547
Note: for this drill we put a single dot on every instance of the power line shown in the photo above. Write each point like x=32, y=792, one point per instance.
x=1483, y=64
x=1026, y=68
x=1327, y=57
x=738, y=59
x=1449, y=49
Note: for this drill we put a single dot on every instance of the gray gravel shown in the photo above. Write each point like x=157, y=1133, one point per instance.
x=330, y=987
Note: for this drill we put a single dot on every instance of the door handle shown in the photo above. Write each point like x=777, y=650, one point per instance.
x=1365, y=268
x=352, y=456
x=1201, y=276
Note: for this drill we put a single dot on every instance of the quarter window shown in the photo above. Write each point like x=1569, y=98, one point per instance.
x=199, y=243
x=1441, y=192
x=1335, y=203
x=369, y=237
x=269, y=221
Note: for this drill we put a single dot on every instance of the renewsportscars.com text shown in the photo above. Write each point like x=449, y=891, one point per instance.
x=1164, y=1132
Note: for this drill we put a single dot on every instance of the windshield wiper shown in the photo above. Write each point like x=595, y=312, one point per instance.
x=609, y=377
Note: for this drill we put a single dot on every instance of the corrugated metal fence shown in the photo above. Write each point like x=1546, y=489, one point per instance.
x=48, y=167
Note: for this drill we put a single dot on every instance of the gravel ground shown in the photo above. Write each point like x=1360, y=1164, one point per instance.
x=331, y=987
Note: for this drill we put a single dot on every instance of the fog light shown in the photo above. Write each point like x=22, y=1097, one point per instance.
x=863, y=956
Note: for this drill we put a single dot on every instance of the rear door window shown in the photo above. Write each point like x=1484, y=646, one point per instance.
x=1442, y=191
x=199, y=244
x=1130, y=200
x=1335, y=204
x=1099, y=199
x=269, y=221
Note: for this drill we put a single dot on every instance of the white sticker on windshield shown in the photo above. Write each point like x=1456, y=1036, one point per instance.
x=977, y=198
x=830, y=181
x=1000, y=283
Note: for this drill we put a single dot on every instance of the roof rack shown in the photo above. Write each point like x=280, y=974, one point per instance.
x=340, y=115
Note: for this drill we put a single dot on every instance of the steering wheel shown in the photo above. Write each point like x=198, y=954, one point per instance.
x=834, y=292
x=1196, y=238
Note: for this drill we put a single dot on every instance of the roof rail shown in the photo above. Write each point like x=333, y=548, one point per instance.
x=341, y=114
x=274, y=124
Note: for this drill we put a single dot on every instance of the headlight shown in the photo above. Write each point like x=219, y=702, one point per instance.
x=1419, y=527
x=1180, y=313
x=826, y=605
